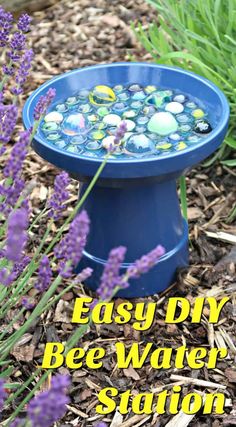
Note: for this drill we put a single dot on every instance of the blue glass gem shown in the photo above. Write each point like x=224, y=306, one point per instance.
x=174, y=137
x=136, y=105
x=71, y=101
x=185, y=128
x=119, y=107
x=138, y=96
x=140, y=129
x=118, y=88
x=78, y=140
x=123, y=96
x=83, y=94
x=179, y=98
x=60, y=143
x=61, y=108
x=142, y=120
x=93, y=145
x=134, y=88
x=85, y=108
x=53, y=136
x=49, y=127
x=191, y=105
x=184, y=118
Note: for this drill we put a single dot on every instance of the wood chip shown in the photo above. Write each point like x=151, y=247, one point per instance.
x=196, y=381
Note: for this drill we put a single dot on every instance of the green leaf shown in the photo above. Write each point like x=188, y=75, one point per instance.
x=11, y=386
x=7, y=372
x=230, y=163
x=231, y=142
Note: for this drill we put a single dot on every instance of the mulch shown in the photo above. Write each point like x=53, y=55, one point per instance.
x=72, y=34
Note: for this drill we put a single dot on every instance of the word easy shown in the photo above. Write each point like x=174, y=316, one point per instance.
x=143, y=314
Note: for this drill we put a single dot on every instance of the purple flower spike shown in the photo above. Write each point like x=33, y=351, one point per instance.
x=23, y=71
x=8, y=118
x=57, y=202
x=23, y=23
x=71, y=247
x=28, y=303
x=50, y=406
x=6, y=20
x=17, y=156
x=18, y=41
x=110, y=277
x=18, y=423
x=145, y=263
x=16, y=235
x=44, y=275
x=7, y=277
x=43, y=103
x=20, y=266
x=84, y=274
x=11, y=195
x=119, y=135
x=3, y=394
x=101, y=424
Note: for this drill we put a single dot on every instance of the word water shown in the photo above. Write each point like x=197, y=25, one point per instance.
x=158, y=122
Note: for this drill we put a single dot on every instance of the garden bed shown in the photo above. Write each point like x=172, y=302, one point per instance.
x=73, y=34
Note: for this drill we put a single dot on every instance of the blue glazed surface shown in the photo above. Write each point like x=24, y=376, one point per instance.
x=145, y=74
x=135, y=202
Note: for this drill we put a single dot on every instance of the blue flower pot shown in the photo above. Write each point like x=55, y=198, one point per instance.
x=135, y=203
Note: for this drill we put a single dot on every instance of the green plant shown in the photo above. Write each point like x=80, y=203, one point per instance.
x=198, y=35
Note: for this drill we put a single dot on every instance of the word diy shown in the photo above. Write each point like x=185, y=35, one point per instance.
x=143, y=314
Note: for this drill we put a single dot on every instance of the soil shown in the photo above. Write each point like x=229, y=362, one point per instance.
x=72, y=34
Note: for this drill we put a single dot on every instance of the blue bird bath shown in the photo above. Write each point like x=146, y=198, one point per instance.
x=135, y=201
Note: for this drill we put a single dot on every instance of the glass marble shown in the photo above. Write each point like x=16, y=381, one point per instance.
x=139, y=144
x=49, y=126
x=74, y=124
x=71, y=101
x=162, y=123
x=93, y=145
x=54, y=116
x=102, y=95
x=159, y=121
x=61, y=108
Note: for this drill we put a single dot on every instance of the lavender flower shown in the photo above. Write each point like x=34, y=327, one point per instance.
x=16, y=235
x=23, y=23
x=26, y=205
x=6, y=20
x=110, y=277
x=17, y=156
x=84, y=274
x=11, y=195
x=17, y=45
x=145, y=263
x=3, y=394
x=44, y=275
x=19, y=267
x=70, y=248
x=7, y=277
x=101, y=424
x=27, y=303
x=60, y=195
x=49, y=406
x=23, y=71
x=120, y=132
x=43, y=104
x=8, y=118
x=18, y=423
